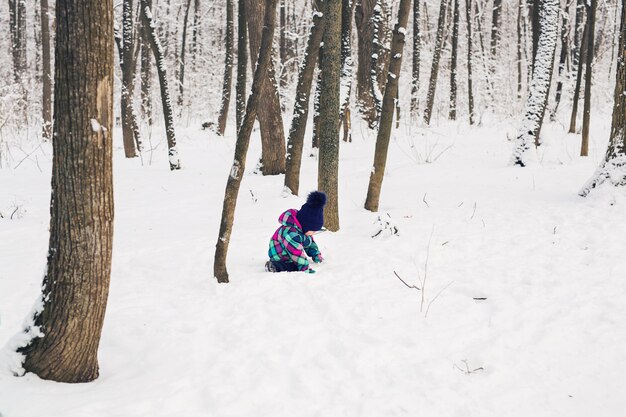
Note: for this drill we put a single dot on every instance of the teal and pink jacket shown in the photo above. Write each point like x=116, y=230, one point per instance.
x=290, y=244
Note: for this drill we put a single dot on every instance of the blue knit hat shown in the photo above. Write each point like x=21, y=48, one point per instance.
x=311, y=215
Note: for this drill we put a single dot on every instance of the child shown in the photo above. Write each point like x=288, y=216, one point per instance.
x=293, y=240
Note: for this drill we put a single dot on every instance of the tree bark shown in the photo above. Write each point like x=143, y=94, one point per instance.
x=242, y=62
x=432, y=85
x=68, y=325
x=417, y=43
x=530, y=128
x=453, y=58
x=562, y=59
x=364, y=89
x=128, y=76
x=269, y=114
x=495, y=29
x=328, y=170
x=47, y=72
x=520, y=16
x=146, y=72
x=243, y=140
x=228, y=68
x=295, y=141
x=386, y=118
x=470, y=93
x=579, y=76
x=181, y=72
x=347, y=11
x=613, y=168
x=168, y=114
x=591, y=18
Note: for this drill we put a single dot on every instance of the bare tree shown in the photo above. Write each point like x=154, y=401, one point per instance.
x=365, y=32
x=46, y=102
x=530, y=128
x=295, y=141
x=242, y=62
x=495, y=28
x=432, y=85
x=591, y=18
x=68, y=323
x=612, y=171
x=130, y=135
x=470, y=93
x=183, y=62
x=228, y=67
x=159, y=57
x=328, y=171
x=562, y=58
x=243, y=140
x=386, y=119
x=417, y=44
x=453, y=59
x=146, y=71
x=579, y=76
x=347, y=11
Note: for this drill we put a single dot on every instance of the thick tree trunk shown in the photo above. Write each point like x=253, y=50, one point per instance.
x=591, y=18
x=364, y=89
x=146, y=72
x=228, y=68
x=386, y=118
x=269, y=114
x=301, y=105
x=432, y=85
x=579, y=76
x=242, y=63
x=530, y=128
x=470, y=92
x=128, y=76
x=453, y=58
x=417, y=44
x=168, y=114
x=76, y=284
x=328, y=171
x=613, y=169
x=47, y=73
x=243, y=140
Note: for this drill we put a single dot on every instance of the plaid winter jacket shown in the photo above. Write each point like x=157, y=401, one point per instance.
x=290, y=244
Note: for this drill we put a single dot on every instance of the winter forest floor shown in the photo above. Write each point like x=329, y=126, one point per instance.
x=352, y=340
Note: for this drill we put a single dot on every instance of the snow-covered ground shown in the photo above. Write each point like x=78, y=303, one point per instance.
x=352, y=340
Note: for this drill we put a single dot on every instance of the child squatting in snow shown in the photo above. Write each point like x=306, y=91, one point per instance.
x=293, y=240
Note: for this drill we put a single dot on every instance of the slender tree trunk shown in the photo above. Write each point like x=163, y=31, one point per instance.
x=578, y=31
x=168, y=114
x=243, y=140
x=432, y=85
x=417, y=44
x=453, y=63
x=579, y=75
x=591, y=17
x=228, y=70
x=47, y=72
x=347, y=11
x=470, y=93
x=128, y=76
x=613, y=168
x=242, y=62
x=535, y=27
x=183, y=49
x=328, y=171
x=146, y=72
x=364, y=89
x=67, y=326
x=386, y=119
x=301, y=105
x=380, y=55
x=283, y=45
x=530, y=128
x=269, y=114
x=17, y=21
x=195, y=30
x=562, y=59
x=495, y=28
x=520, y=16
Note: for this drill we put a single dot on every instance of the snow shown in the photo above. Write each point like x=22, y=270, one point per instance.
x=522, y=285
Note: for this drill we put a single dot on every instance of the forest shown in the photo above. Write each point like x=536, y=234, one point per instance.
x=441, y=183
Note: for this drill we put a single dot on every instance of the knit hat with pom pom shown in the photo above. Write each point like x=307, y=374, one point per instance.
x=311, y=215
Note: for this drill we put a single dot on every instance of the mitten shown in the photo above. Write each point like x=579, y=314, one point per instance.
x=318, y=258
x=310, y=271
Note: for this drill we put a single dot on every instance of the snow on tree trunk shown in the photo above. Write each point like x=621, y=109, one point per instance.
x=417, y=43
x=47, y=72
x=432, y=84
x=591, y=17
x=347, y=12
x=529, y=130
x=228, y=68
x=242, y=63
x=129, y=134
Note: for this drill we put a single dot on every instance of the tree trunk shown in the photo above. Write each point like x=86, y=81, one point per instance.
x=470, y=93
x=613, y=169
x=17, y=18
x=591, y=18
x=495, y=29
x=283, y=45
x=159, y=57
x=228, y=70
x=68, y=324
x=364, y=89
x=328, y=170
x=128, y=76
x=183, y=49
x=347, y=11
x=386, y=118
x=453, y=63
x=540, y=84
x=380, y=54
x=47, y=73
x=562, y=59
x=301, y=105
x=579, y=75
x=146, y=72
x=242, y=62
x=579, y=30
x=243, y=140
x=417, y=43
x=269, y=114
x=520, y=16
x=535, y=12
x=432, y=85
